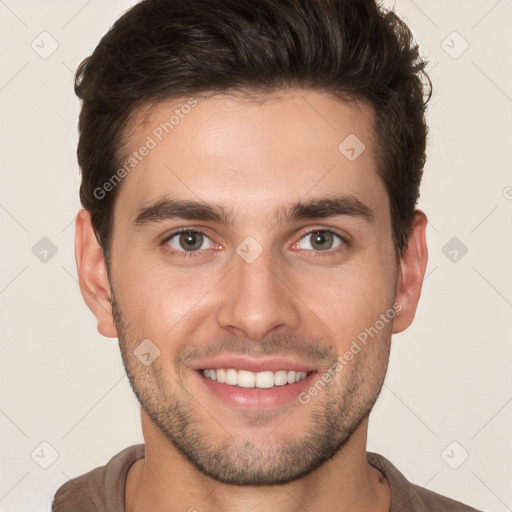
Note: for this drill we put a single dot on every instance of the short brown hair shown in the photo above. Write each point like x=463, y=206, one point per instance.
x=165, y=49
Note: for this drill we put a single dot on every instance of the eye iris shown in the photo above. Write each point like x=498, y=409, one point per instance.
x=321, y=240
x=191, y=240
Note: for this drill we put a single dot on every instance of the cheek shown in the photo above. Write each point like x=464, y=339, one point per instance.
x=349, y=298
x=161, y=299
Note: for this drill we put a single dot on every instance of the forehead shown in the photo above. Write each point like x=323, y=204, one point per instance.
x=251, y=157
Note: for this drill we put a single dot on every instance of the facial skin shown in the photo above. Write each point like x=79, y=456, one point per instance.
x=304, y=299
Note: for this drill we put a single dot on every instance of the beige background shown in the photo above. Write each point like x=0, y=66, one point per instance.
x=449, y=376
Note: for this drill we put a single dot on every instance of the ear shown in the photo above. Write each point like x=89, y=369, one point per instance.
x=92, y=274
x=413, y=264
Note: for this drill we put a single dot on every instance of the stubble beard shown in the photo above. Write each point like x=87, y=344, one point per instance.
x=335, y=414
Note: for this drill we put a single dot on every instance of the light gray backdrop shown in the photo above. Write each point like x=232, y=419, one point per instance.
x=445, y=415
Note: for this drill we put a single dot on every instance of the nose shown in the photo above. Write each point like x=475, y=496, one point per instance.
x=256, y=299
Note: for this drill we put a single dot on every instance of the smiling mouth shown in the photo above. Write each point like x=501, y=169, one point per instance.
x=248, y=379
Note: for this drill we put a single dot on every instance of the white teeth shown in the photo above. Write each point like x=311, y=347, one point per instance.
x=265, y=380
x=221, y=376
x=246, y=379
x=231, y=377
x=281, y=378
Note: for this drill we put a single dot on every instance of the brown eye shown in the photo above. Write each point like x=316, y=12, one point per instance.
x=320, y=240
x=189, y=241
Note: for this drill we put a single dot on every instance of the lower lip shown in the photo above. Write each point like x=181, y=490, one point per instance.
x=256, y=398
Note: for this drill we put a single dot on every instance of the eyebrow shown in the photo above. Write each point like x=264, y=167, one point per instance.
x=332, y=206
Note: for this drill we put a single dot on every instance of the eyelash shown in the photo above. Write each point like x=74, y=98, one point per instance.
x=182, y=254
x=192, y=254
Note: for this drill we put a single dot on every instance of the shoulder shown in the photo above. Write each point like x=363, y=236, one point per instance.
x=100, y=488
x=425, y=499
x=406, y=496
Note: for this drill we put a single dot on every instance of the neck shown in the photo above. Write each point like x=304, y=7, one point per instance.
x=164, y=480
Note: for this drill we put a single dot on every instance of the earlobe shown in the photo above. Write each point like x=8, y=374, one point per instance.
x=413, y=264
x=92, y=274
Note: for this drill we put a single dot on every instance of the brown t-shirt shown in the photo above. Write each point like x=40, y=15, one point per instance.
x=102, y=489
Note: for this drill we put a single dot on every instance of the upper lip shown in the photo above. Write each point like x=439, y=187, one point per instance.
x=254, y=364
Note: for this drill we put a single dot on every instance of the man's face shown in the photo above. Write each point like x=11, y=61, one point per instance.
x=252, y=288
